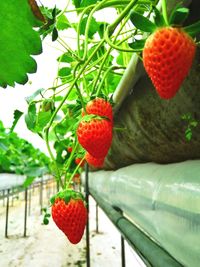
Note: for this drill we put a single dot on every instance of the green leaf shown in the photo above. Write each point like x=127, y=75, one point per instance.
x=138, y=45
x=42, y=119
x=179, y=15
x=30, y=117
x=102, y=27
x=142, y=23
x=62, y=23
x=188, y=134
x=119, y=59
x=193, y=29
x=18, y=42
x=28, y=181
x=45, y=220
x=85, y=3
x=17, y=116
x=54, y=34
x=158, y=18
x=76, y=3
x=94, y=27
x=64, y=71
x=66, y=57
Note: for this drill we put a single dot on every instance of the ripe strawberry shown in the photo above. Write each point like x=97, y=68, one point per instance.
x=95, y=135
x=100, y=107
x=70, y=214
x=168, y=54
x=95, y=162
x=78, y=160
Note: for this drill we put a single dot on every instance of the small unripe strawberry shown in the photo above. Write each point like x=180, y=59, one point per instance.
x=69, y=149
x=78, y=160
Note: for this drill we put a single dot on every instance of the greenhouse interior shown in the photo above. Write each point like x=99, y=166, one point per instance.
x=100, y=133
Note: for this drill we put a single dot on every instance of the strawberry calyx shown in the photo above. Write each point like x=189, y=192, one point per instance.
x=89, y=117
x=66, y=195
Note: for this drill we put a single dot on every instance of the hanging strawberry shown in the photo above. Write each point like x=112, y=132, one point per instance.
x=169, y=51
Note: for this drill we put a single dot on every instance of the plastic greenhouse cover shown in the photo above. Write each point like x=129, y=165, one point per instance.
x=8, y=180
x=162, y=200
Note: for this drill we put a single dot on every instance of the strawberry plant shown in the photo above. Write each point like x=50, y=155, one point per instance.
x=75, y=115
x=20, y=157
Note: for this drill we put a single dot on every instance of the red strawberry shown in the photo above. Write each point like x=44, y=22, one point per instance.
x=100, y=107
x=95, y=135
x=78, y=160
x=95, y=162
x=69, y=149
x=70, y=214
x=167, y=57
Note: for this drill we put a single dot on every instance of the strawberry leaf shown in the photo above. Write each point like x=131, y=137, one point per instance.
x=138, y=45
x=193, y=29
x=142, y=23
x=179, y=15
x=18, y=42
x=30, y=117
x=17, y=116
x=158, y=18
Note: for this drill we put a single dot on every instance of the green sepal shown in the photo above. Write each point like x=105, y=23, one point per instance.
x=158, y=18
x=138, y=45
x=88, y=118
x=142, y=23
x=54, y=34
x=193, y=29
x=66, y=195
x=179, y=15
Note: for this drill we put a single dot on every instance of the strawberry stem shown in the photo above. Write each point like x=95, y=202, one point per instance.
x=75, y=170
x=164, y=11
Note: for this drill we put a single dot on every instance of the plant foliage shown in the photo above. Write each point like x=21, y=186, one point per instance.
x=20, y=157
x=18, y=42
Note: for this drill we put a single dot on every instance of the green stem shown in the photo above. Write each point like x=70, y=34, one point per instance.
x=58, y=177
x=61, y=104
x=79, y=28
x=74, y=172
x=69, y=161
x=111, y=28
x=78, y=89
x=164, y=11
x=87, y=28
x=107, y=34
x=105, y=75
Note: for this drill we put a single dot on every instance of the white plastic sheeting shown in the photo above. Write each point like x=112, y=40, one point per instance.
x=163, y=200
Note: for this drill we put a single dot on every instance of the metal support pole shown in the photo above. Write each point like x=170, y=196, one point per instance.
x=25, y=211
x=41, y=195
x=12, y=203
x=97, y=219
x=87, y=226
x=7, y=211
x=3, y=198
x=123, y=258
x=29, y=201
x=123, y=252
